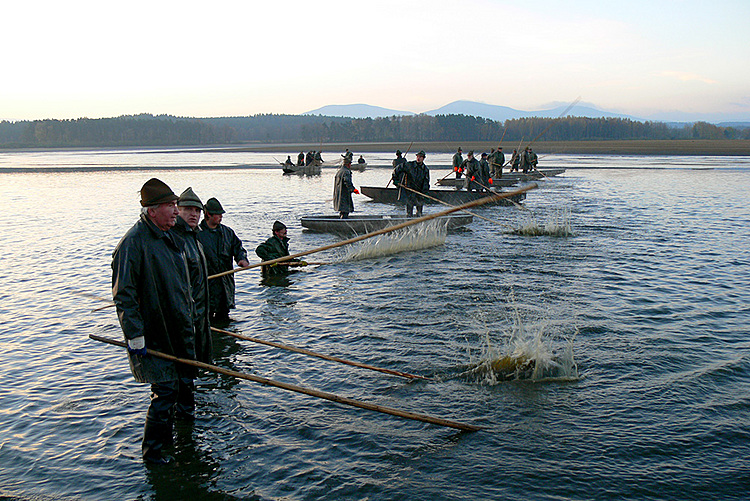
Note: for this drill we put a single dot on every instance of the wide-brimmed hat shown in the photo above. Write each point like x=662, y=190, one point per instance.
x=213, y=206
x=188, y=198
x=155, y=192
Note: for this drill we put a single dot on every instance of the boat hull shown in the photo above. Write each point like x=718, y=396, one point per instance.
x=451, y=197
x=508, y=179
x=362, y=224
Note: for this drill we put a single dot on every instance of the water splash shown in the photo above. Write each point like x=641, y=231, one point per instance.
x=528, y=351
x=558, y=225
x=417, y=237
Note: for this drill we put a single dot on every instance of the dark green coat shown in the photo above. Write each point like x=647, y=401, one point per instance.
x=342, y=190
x=274, y=248
x=415, y=176
x=198, y=269
x=221, y=246
x=151, y=290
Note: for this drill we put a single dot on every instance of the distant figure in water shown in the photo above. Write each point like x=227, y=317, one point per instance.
x=343, y=187
x=361, y=160
x=515, y=160
x=275, y=247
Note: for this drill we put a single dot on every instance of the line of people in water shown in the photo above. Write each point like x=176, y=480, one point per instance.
x=492, y=164
x=166, y=302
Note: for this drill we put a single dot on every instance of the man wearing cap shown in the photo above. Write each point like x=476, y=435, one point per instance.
x=471, y=168
x=151, y=290
x=220, y=245
x=186, y=231
x=275, y=247
x=343, y=187
x=528, y=160
x=458, y=161
x=412, y=178
x=483, y=178
x=497, y=161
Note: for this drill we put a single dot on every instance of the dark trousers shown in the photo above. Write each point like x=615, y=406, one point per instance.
x=168, y=398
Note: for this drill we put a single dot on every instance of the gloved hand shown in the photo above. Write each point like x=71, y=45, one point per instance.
x=303, y=263
x=356, y=191
x=473, y=178
x=490, y=180
x=137, y=345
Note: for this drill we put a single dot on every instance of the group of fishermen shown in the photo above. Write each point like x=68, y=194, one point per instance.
x=166, y=302
x=491, y=166
x=303, y=160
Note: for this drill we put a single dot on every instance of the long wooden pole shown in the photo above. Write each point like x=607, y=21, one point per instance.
x=313, y=393
x=319, y=355
x=467, y=205
x=449, y=205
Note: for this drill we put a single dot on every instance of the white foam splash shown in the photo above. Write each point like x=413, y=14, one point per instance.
x=420, y=236
x=557, y=225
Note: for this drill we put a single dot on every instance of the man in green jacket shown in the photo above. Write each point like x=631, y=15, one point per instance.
x=221, y=245
x=275, y=247
x=151, y=290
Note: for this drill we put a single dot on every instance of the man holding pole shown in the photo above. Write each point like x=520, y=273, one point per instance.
x=151, y=290
x=457, y=162
x=221, y=245
x=416, y=176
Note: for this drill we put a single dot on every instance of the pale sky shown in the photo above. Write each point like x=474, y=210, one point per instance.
x=80, y=58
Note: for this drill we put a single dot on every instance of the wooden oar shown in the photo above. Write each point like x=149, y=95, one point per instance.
x=466, y=211
x=319, y=355
x=468, y=205
x=314, y=393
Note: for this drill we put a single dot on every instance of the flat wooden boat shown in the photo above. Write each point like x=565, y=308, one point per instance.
x=301, y=170
x=452, y=197
x=362, y=224
x=508, y=179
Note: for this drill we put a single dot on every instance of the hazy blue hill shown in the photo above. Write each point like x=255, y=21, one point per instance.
x=356, y=111
x=503, y=113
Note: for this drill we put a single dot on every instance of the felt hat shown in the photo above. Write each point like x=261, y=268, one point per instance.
x=155, y=192
x=188, y=198
x=213, y=206
x=278, y=225
x=421, y=153
x=398, y=152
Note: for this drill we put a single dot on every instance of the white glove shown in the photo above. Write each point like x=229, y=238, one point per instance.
x=137, y=345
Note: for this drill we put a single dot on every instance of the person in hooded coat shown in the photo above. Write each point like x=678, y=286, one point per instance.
x=343, y=187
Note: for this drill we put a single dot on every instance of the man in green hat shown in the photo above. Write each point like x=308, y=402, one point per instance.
x=186, y=232
x=151, y=290
x=221, y=245
x=275, y=247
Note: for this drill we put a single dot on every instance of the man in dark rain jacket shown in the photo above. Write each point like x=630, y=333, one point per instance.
x=472, y=170
x=416, y=176
x=221, y=246
x=275, y=247
x=186, y=230
x=343, y=187
x=457, y=163
x=151, y=290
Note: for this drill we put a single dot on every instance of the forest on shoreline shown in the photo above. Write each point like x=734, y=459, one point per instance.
x=442, y=132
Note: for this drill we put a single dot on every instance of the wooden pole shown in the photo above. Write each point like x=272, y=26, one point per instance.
x=467, y=211
x=319, y=355
x=474, y=203
x=313, y=393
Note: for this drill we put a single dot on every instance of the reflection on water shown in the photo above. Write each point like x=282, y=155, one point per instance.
x=586, y=358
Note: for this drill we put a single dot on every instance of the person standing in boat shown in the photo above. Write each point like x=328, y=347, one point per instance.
x=497, y=161
x=470, y=167
x=186, y=231
x=361, y=160
x=410, y=177
x=221, y=245
x=318, y=158
x=301, y=159
x=275, y=247
x=515, y=160
x=458, y=161
x=532, y=159
x=484, y=178
x=289, y=161
x=151, y=290
x=343, y=187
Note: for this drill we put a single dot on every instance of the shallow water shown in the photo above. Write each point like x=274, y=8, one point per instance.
x=637, y=318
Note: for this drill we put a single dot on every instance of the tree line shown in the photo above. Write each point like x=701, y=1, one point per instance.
x=166, y=130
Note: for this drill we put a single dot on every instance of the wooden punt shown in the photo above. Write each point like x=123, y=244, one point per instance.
x=452, y=197
x=362, y=224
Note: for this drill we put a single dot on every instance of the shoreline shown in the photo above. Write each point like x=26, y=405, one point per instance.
x=689, y=147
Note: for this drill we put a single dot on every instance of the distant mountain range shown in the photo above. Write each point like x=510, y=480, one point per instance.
x=503, y=113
